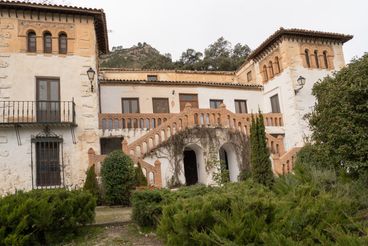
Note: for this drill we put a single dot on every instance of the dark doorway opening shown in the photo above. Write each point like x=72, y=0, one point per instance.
x=190, y=167
x=108, y=145
x=224, y=159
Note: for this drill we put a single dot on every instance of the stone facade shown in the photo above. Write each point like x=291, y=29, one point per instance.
x=223, y=105
x=19, y=72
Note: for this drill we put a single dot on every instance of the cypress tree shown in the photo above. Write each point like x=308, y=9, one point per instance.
x=91, y=183
x=260, y=155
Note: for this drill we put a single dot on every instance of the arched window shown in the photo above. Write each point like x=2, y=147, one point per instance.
x=277, y=61
x=31, y=42
x=47, y=42
x=270, y=66
x=63, y=43
x=325, y=58
x=265, y=73
x=306, y=52
x=316, y=58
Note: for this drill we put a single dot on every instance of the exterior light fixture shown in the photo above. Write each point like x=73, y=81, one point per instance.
x=300, y=83
x=91, y=76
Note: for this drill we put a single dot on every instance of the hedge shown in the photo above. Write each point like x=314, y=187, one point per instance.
x=40, y=217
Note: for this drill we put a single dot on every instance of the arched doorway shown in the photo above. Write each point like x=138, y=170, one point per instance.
x=229, y=158
x=224, y=159
x=190, y=167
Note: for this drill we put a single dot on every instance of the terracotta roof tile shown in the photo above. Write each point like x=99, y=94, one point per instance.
x=196, y=83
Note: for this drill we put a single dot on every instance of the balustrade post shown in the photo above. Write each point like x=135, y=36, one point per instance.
x=125, y=147
x=189, y=112
x=158, y=180
x=281, y=145
x=223, y=115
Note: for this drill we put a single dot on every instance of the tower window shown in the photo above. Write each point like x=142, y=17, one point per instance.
x=306, y=52
x=270, y=65
x=47, y=42
x=325, y=58
x=63, y=43
x=316, y=58
x=265, y=73
x=31, y=41
x=277, y=61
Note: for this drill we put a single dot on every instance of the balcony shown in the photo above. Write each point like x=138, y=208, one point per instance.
x=198, y=117
x=37, y=113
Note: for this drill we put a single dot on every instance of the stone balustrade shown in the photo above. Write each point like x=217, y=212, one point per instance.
x=204, y=117
x=152, y=172
x=284, y=164
x=193, y=117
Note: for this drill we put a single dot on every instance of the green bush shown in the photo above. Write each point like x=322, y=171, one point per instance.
x=91, y=183
x=40, y=217
x=118, y=178
x=147, y=205
x=311, y=207
x=140, y=179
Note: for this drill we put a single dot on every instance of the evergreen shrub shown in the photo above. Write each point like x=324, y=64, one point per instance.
x=311, y=207
x=91, y=183
x=118, y=178
x=147, y=205
x=139, y=177
x=41, y=217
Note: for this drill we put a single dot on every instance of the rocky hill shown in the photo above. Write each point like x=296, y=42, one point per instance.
x=140, y=56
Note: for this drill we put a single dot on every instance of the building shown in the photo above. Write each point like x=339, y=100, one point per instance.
x=48, y=118
x=178, y=125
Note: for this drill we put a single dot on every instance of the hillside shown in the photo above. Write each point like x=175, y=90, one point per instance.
x=218, y=56
x=141, y=56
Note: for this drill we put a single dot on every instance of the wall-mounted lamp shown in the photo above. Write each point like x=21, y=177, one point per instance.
x=173, y=92
x=300, y=83
x=91, y=76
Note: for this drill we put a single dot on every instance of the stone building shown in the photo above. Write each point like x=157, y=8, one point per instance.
x=146, y=108
x=48, y=113
x=55, y=121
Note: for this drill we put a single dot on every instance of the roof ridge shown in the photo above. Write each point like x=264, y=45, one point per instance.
x=51, y=5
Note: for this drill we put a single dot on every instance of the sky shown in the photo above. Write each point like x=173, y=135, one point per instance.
x=172, y=26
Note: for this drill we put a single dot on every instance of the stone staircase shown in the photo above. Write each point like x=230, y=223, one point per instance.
x=160, y=127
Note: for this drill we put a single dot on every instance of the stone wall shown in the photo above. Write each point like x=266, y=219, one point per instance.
x=18, y=73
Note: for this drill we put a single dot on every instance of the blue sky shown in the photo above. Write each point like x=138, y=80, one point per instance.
x=172, y=26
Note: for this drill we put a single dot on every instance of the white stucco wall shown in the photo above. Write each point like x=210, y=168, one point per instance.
x=111, y=97
x=18, y=83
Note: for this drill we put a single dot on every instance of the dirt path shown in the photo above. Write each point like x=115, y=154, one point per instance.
x=127, y=234
x=111, y=215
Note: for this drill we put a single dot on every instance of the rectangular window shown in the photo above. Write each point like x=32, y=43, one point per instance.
x=241, y=107
x=48, y=168
x=48, y=100
x=130, y=105
x=160, y=105
x=275, y=105
x=249, y=76
x=188, y=98
x=152, y=78
x=215, y=103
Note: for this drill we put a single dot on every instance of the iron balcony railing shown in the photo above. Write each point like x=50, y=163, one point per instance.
x=37, y=112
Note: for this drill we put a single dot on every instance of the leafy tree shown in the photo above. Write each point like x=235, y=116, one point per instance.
x=240, y=54
x=340, y=119
x=118, y=178
x=260, y=156
x=189, y=58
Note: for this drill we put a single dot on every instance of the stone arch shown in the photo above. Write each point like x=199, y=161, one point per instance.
x=228, y=155
x=199, y=165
